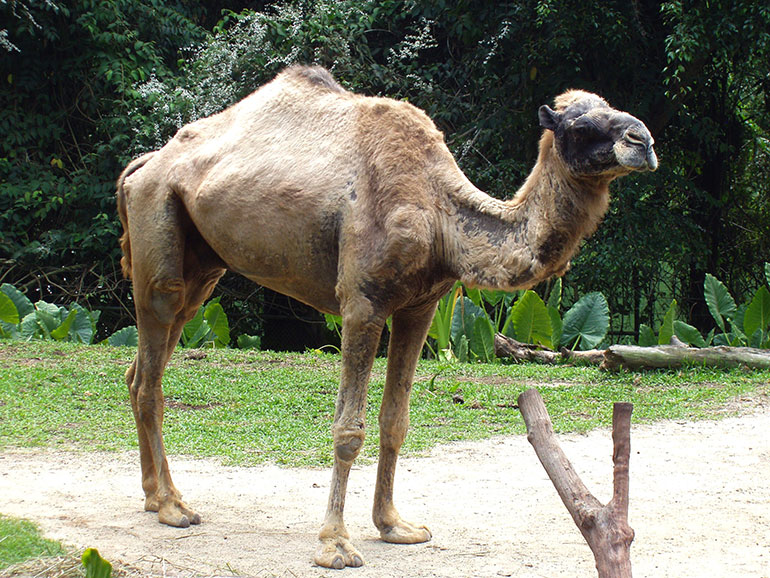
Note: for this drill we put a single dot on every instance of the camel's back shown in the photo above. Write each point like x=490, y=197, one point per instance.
x=272, y=181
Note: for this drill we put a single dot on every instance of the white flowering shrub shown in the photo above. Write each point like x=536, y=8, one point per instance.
x=248, y=49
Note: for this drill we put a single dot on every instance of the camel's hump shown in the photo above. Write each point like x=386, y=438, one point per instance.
x=315, y=75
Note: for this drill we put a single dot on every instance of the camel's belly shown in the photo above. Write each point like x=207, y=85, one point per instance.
x=321, y=298
x=281, y=243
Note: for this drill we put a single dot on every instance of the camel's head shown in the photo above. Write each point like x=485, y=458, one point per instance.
x=594, y=139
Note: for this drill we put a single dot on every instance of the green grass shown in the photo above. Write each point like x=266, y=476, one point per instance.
x=20, y=540
x=249, y=407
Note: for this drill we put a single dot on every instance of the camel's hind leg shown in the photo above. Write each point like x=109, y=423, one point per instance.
x=407, y=337
x=169, y=286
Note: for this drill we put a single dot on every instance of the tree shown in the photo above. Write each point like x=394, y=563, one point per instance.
x=67, y=85
x=89, y=85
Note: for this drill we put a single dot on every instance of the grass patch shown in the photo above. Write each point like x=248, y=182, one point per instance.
x=20, y=540
x=249, y=407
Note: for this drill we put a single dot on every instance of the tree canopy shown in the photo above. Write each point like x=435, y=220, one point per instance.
x=85, y=86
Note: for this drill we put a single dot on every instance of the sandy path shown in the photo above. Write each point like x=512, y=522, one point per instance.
x=700, y=506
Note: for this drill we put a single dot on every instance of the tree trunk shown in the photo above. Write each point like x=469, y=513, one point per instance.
x=605, y=528
x=633, y=357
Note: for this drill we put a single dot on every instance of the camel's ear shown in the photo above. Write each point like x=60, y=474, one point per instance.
x=549, y=118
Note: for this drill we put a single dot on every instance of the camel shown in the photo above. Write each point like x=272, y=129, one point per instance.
x=355, y=206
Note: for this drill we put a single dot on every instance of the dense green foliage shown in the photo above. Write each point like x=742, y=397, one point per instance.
x=85, y=86
x=747, y=325
x=466, y=321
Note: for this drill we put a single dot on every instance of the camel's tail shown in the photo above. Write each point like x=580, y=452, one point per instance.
x=125, y=241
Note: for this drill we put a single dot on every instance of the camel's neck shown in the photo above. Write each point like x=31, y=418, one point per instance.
x=518, y=243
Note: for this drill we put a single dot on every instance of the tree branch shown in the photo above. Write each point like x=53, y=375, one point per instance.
x=605, y=528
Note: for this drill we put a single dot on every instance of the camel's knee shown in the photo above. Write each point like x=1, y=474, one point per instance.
x=165, y=299
x=348, y=440
x=394, y=423
x=149, y=402
x=393, y=435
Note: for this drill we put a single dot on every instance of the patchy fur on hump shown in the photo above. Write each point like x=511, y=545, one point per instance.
x=586, y=99
x=315, y=75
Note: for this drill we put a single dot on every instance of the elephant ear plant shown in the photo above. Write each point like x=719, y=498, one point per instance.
x=21, y=319
x=745, y=325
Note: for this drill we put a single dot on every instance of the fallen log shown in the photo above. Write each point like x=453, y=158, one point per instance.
x=605, y=528
x=672, y=356
x=507, y=347
x=634, y=357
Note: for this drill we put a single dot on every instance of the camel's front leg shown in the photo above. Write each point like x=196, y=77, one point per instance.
x=407, y=337
x=360, y=339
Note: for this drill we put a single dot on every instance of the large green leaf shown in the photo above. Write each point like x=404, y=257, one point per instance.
x=23, y=305
x=216, y=318
x=719, y=301
x=441, y=327
x=554, y=296
x=95, y=565
x=195, y=330
x=209, y=326
x=49, y=317
x=647, y=337
x=29, y=327
x=531, y=321
x=586, y=323
x=482, y=341
x=62, y=332
x=83, y=326
x=465, y=314
x=688, y=334
x=8, y=311
x=249, y=341
x=128, y=336
x=667, y=329
x=494, y=297
x=460, y=348
x=757, y=316
x=474, y=295
x=556, y=325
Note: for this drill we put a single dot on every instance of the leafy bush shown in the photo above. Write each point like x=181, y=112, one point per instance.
x=21, y=319
x=209, y=327
x=465, y=324
x=746, y=325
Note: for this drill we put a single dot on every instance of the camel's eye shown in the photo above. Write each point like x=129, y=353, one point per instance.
x=586, y=131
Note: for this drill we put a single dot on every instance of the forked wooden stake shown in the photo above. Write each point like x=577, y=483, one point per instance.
x=605, y=528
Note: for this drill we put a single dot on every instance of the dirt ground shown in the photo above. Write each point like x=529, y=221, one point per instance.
x=699, y=503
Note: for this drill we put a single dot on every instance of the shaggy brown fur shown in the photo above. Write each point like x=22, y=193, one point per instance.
x=355, y=206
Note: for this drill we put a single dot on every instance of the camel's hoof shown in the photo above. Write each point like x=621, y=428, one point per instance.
x=338, y=553
x=174, y=513
x=405, y=533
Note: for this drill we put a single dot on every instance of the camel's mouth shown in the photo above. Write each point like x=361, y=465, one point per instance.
x=634, y=150
x=652, y=159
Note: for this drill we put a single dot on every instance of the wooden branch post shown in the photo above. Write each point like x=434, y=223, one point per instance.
x=605, y=528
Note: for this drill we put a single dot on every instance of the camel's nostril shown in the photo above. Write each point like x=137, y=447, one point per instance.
x=636, y=138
